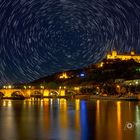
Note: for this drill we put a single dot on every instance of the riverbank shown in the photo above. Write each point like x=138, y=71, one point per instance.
x=83, y=97
x=129, y=98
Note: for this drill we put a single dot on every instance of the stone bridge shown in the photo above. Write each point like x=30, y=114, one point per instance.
x=43, y=92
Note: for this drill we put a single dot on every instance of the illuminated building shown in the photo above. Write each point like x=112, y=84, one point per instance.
x=100, y=65
x=115, y=55
x=64, y=76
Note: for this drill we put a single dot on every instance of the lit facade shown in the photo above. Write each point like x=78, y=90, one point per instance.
x=64, y=76
x=115, y=55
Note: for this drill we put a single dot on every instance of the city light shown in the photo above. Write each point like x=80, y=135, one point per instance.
x=42, y=87
x=101, y=64
x=82, y=74
x=136, y=82
x=114, y=55
x=64, y=76
x=118, y=86
x=138, y=69
x=77, y=88
x=9, y=86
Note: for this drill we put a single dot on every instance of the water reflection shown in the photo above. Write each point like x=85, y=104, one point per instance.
x=83, y=118
x=137, y=124
x=119, y=120
x=65, y=120
x=98, y=119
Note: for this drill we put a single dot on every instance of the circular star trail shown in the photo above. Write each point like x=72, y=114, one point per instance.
x=40, y=37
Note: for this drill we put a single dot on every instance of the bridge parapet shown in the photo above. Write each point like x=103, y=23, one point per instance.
x=28, y=92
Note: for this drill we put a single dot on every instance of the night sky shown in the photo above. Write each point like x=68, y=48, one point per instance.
x=41, y=37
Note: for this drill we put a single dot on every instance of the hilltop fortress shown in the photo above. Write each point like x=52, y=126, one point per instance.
x=115, y=55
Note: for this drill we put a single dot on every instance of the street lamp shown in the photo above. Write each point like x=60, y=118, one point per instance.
x=136, y=82
x=42, y=87
x=9, y=86
x=136, y=85
x=118, y=88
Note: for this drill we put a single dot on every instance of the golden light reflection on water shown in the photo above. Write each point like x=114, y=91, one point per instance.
x=119, y=120
x=77, y=114
x=63, y=104
x=66, y=120
x=7, y=103
x=98, y=119
x=9, y=123
x=63, y=119
x=77, y=104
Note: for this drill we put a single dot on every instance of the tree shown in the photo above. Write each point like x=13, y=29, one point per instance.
x=52, y=85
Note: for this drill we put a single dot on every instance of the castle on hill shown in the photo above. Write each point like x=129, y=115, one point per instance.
x=131, y=55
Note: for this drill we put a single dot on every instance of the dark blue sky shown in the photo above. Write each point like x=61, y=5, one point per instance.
x=40, y=37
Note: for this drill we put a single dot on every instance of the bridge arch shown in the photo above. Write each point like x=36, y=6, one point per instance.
x=17, y=93
x=54, y=93
x=71, y=92
x=36, y=94
x=1, y=94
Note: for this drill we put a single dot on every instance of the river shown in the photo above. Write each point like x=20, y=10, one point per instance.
x=59, y=119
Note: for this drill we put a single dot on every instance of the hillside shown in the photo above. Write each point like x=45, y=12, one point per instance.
x=105, y=71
